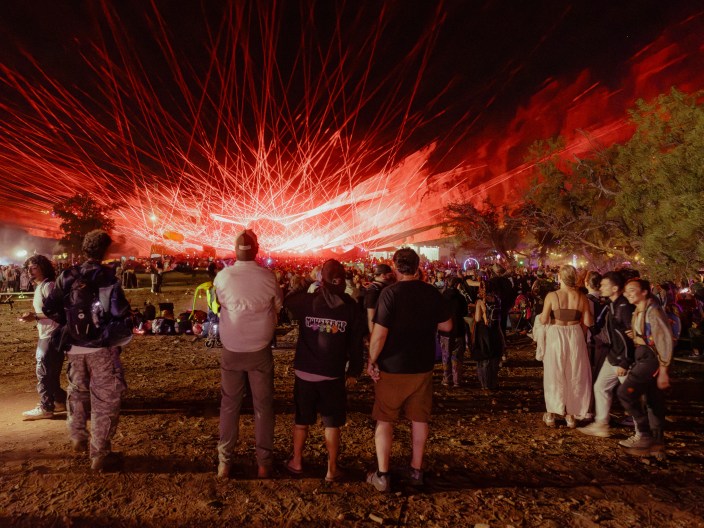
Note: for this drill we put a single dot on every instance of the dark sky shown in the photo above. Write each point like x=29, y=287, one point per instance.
x=480, y=51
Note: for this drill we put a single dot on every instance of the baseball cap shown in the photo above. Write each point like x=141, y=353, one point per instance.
x=246, y=246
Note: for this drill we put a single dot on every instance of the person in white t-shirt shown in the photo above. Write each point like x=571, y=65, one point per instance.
x=50, y=360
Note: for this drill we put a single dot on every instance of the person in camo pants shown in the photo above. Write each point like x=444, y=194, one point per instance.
x=96, y=378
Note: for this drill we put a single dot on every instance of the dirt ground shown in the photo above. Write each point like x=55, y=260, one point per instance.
x=490, y=460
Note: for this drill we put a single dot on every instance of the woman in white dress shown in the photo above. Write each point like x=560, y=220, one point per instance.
x=567, y=378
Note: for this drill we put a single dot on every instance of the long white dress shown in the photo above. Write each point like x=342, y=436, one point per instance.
x=567, y=376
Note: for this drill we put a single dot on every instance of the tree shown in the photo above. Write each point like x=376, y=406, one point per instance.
x=569, y=204
x=79, y=215
x=661, y=172
x=486, y=228
x=641, y=201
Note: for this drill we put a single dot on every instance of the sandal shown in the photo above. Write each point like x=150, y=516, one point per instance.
x=339, y=477
x=293, y=470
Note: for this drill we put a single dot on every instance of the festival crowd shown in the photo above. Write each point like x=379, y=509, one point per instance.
x=599, y=337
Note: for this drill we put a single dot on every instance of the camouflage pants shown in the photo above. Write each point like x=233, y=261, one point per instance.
x=95, y=388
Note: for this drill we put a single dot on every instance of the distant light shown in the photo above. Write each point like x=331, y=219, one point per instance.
x=153, y=217
x=269, y=261
x=21, y=253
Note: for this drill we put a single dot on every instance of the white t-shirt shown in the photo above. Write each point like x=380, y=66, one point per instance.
x=45, y=326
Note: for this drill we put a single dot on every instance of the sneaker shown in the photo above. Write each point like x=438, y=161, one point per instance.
x=415, y=476
x=637, y=441
x=445, y=383
x=59, y=407
x=107, y=462
x=596, y=429
x=549, y=419
x=571, y=422
x=79, y=446
x=382, y=483
x=224, y=469
x=37, y=414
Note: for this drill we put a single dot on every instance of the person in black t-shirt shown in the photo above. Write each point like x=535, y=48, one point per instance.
x=401, y=361
x=383, y=276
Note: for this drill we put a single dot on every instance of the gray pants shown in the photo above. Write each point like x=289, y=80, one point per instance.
x=95, y=386
x=259, y=368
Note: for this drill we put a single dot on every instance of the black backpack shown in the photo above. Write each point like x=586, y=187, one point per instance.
x=96, y=316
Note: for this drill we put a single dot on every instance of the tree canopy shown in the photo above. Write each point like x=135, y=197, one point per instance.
x=640, y=201
x=486, y=228
x=79, y=215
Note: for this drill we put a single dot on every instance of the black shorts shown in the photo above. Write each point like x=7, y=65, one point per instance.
x=328, y=397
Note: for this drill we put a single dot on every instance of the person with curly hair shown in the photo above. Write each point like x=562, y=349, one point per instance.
x=50, y=359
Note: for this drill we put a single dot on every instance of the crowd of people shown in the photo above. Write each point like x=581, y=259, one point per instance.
x=596, y=335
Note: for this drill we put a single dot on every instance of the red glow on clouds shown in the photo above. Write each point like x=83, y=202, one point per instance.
x=306, y=178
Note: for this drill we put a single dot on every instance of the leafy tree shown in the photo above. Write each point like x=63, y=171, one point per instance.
x=661, y=172
x=486, y=228
x=79, y=215
x=569, y=204
x=641, y=201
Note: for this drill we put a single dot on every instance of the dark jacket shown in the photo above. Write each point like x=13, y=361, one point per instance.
x=458, y=306
x=327, y=337
x=618, y=320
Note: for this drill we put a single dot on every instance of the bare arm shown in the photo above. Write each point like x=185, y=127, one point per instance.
x=547, y=308
x=376, y=345
x=587, y=315
x=370, y=319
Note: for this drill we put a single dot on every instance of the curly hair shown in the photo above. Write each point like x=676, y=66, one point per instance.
x=406, y=261
x=44, y=264
x=96, y=244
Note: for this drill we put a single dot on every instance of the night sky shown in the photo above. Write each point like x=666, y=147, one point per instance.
x=250, y=96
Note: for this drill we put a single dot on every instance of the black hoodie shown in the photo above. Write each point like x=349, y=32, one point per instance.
x=327, y=337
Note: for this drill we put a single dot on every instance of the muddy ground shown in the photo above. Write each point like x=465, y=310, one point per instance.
x=490, y=459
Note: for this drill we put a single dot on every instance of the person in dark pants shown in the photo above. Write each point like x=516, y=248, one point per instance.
x=50, y=359
x=652, y=336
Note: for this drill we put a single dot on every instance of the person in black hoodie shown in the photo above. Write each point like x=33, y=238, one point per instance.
x=331, y=329
x=619, y=351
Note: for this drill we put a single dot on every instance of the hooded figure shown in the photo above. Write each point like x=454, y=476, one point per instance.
x=333, y=283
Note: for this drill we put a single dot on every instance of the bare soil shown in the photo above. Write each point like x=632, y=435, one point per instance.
x=490, y=460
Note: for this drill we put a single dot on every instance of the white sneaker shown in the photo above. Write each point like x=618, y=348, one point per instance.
x=637, y=441
x=596, y=429
x=37, y=414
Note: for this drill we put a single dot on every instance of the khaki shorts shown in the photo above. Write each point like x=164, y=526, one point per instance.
x=412, y=393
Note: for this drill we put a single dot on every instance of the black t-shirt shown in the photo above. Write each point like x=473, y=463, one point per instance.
x=411, y=310
x=371, y=294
